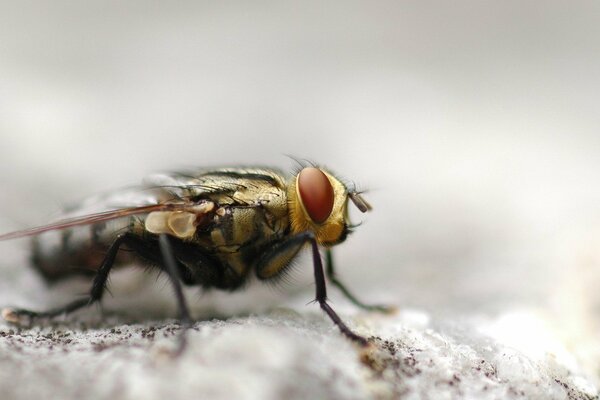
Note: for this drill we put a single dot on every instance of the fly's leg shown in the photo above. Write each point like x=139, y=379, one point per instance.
x=96, y=292
x=321, y=295
x=334, y=280
x=279, y=257
x=171, y=267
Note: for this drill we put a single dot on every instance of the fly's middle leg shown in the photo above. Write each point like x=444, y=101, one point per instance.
x=172, y=269
x=15, y=315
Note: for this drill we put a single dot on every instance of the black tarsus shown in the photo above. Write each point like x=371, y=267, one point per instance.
x=171, y=267
x=321, y=292
x=72, y=306
x=332, y=277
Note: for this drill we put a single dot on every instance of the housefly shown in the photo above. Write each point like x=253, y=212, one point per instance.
x=209, y=228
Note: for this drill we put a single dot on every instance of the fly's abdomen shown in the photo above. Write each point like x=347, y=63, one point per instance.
x=77, y=251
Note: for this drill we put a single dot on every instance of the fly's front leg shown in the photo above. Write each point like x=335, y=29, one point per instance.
x=275, y=260
x=321, y=296
x=333, y=278
x=98, y=286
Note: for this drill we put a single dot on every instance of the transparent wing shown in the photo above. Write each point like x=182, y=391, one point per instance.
x=94, y=218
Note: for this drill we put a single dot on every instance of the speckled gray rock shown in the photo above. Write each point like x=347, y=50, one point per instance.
x=276, y=354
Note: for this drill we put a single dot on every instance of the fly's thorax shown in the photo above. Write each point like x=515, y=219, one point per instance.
x=251, y=203
x=317, y=202
x=240, y=232
x=235, y=227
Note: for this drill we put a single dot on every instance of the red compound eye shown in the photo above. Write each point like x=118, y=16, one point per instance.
x=316, y=193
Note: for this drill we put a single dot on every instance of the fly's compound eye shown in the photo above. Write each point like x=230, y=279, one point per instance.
x=316, y=193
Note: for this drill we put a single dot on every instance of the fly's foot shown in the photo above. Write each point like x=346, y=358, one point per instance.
x=178, y=345
x=356, y=338
x=384, y=309
x=359, y=340
x=182, y=340
x=10, y=315
x=18, y=316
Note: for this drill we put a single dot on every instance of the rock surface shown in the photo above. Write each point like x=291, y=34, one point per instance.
x=292, y=352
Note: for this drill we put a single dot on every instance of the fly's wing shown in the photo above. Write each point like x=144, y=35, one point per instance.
x=108, y=207
x=125, y=198
x=91, y=219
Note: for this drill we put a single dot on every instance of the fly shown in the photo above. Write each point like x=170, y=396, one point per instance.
x=208, y=228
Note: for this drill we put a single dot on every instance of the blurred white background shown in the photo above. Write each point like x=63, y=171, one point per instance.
x=474, y=125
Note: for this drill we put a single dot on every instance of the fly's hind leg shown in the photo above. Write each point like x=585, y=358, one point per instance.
x=274, y=261
x=334, y=280
x=15, y=315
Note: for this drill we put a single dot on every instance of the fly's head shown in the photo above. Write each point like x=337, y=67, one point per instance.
x=318, y=202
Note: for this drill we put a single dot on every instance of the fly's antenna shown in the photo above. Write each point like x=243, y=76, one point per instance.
x=359, y=202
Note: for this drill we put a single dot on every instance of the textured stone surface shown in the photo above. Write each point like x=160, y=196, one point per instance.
x=292, y=352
